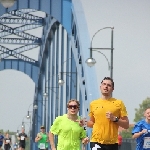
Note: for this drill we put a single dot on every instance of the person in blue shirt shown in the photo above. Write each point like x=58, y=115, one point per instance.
x=141, y=132
x=16, y=146
x=1, y=140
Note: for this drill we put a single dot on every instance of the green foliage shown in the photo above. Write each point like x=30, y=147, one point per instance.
x=139, y=112
x=127, y=133
x=1, y=130
x=10, y=132
x=28, y=144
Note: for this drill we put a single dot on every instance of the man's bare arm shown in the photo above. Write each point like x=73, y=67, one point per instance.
x=51, y=139
x=91, y=122
x=123, y=122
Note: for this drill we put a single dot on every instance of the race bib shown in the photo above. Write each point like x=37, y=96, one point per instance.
x=42, y=145
x=22, y=137
x=7, y=141
x=146, y=142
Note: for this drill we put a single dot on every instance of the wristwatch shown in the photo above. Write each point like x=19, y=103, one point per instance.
x=116, y=119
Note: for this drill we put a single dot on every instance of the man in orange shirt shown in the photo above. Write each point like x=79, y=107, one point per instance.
x=106, y=115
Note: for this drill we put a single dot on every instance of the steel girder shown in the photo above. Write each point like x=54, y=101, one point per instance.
x=18, y=35
x=64, y=49
x=29, y=68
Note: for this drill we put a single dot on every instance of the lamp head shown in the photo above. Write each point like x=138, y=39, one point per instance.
x=28, y=117
x=90, y=62
x=61, y=82
x=45, y=95
x=7, y=3
x=35, y=107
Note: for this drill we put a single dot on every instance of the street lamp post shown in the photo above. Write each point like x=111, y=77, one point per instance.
x=23, y=125
x=18, y=129
x=45, y=98
x=91, y=61
x=60, y=80
x=30, y=117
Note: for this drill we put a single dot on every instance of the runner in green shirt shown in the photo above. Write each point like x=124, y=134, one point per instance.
x=42, y=139
x=67, y=127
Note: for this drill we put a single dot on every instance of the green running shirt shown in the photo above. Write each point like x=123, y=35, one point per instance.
x=69, y=133
x=42, y=144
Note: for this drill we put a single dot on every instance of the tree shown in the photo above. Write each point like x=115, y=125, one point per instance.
x=139, y=112
x=127, y=133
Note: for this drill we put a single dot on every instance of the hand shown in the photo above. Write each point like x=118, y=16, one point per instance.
x=144, y=131
x=110, y=116
x=86, y=140
x=82, y=122
x=53, y=148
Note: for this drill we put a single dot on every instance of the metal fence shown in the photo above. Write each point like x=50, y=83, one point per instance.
x=128, y=144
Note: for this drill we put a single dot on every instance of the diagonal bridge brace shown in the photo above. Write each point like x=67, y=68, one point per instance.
x=4, y=19
x=22, y=13
x=25, y=18
x=20, y=29
x=21, y=49
x=16, y=55
x=17, y=32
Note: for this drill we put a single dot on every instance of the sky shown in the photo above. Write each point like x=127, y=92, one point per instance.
x=131, y=23
x=131, y=71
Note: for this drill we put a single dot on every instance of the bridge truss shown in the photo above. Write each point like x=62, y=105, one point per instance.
x=62, y=43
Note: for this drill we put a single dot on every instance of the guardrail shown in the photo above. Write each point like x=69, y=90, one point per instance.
x=128, y=144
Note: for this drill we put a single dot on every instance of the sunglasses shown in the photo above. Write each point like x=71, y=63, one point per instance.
x=73, y=106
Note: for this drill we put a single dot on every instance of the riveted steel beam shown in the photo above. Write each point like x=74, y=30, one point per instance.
x=21, y=49
x=19, y=41
x=6, y=20
x=21, y=14
x=6, y=51
x=16, y=32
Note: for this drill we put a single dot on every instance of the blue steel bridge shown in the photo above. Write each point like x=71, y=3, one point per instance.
x=57, y=31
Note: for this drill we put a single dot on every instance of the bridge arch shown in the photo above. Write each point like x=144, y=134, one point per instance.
x=14, y=104
x=64, y=44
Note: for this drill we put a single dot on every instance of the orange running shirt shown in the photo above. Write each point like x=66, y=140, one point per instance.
x=105, y=131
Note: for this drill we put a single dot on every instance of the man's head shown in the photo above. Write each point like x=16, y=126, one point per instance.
x=147, y=114
x=22, y=130
x=107, y=86
x=42, y=128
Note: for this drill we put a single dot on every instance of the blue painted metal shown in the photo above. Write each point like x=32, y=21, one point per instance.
x=26, y=67
x=63, y=50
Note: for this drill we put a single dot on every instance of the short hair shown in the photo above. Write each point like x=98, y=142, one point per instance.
x=108, y=78
x=73, y=100
x=147, y=108
x=42, y=127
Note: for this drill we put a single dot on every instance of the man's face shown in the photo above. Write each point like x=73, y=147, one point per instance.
x=106, y=87
x=42, y=129
x=73, y=108
x=22, y=130
x=147, y=114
